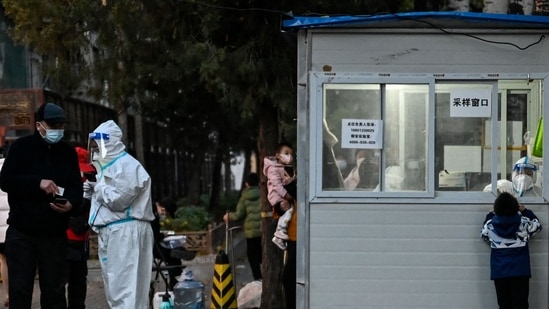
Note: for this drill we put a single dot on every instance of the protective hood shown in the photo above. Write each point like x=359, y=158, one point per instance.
x=523, y=176
x=268, y=162
x=111, y=147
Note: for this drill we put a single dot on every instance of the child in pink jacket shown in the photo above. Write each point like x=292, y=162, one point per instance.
x=281, y=187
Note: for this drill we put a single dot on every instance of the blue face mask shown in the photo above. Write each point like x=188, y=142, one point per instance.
x=53, y=136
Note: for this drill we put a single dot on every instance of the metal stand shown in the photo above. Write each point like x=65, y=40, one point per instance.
x=229, y=238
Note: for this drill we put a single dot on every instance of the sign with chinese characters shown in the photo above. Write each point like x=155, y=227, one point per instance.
x=17, y=107
x=362, y=133
x=470, y=103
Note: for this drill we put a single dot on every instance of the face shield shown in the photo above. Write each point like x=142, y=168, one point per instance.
x=96, y=146
x=524, y=176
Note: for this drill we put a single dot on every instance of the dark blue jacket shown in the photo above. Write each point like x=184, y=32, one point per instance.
x=29, y=161
x=508, y=237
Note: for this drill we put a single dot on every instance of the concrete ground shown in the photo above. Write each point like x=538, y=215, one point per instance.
x=202, y=267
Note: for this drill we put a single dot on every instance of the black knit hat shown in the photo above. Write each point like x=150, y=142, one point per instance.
x=51, y=114
x=506, y=205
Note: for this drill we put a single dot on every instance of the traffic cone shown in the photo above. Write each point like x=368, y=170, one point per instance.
x=223, y=290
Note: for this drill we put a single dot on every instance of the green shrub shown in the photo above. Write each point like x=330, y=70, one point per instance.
x=190, y=218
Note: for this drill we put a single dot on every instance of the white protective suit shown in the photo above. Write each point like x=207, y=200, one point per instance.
x=121, y=211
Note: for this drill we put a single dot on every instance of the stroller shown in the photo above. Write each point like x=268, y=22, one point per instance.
x=167, y=266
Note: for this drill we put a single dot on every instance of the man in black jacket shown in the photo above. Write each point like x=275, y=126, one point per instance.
x=42, y=178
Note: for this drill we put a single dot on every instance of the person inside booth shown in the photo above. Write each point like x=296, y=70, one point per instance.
x=524, y=178
x=523, y=182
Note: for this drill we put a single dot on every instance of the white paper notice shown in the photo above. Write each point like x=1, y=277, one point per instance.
x=470, y=103
x=463, y=158
x=362, y=133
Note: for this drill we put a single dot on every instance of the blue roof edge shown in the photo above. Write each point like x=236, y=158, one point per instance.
x=340, y=21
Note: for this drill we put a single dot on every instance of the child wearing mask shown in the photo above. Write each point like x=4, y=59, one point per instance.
x=281, y=186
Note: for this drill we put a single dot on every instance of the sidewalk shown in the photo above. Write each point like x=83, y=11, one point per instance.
x=202, y=267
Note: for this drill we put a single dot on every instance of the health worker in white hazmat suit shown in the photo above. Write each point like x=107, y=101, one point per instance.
x=120, y=213
x=524, y=178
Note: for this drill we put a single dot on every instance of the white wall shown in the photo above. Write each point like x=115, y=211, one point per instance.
x=427, y=53
x=409, y=256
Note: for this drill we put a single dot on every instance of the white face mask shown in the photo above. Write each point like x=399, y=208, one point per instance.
x=522, y=183
x=286, y=158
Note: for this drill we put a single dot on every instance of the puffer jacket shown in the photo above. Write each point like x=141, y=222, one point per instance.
x=508, y=237
x=249, y=208
x=276, y=180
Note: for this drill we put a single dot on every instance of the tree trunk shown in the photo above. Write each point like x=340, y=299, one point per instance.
x=194, y=184
x=123, y=123
x=272, y=296
x=459, y=5
x=229, y=182
x=215, y=192
x=139, y=149
x=496, y=6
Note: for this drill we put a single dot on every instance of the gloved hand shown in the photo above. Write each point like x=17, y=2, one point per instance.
x=88, y=187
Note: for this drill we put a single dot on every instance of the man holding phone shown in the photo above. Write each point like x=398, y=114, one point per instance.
x=42, y=178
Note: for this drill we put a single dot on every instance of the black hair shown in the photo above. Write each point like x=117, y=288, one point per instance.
x=283, y=144
x=252, y=179
x=169, y=204
x=506, y=205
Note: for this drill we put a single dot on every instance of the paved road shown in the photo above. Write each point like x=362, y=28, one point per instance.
x=202, y=267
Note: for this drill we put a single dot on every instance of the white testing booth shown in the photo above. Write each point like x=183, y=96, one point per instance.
x=436, y=106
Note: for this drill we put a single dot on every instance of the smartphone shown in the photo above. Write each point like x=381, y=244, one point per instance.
x=60, y=200
x=289, y=169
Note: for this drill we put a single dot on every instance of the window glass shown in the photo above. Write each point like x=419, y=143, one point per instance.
x=375, y=137
x=348, y=109
x=462, y=113
x=463, y=135
x=369, y=128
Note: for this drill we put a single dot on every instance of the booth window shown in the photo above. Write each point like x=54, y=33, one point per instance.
x=418, y=138
x=464, y=134
x=369, y=128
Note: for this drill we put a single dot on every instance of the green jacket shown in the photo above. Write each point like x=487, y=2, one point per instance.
x=249, y=207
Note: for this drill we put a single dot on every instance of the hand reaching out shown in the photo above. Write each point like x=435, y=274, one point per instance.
x=285, y=205
x=287, y=178
x=49, y=186
x=88, y=187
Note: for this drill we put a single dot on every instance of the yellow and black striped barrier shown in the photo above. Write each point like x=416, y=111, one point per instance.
x=223, y=290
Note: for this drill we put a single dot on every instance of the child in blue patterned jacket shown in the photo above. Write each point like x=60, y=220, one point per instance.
x=508, y=228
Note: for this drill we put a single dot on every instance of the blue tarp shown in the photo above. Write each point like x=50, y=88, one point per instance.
x=358, y=20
